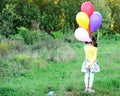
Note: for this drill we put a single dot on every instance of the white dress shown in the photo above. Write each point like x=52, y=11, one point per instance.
x=94, y=68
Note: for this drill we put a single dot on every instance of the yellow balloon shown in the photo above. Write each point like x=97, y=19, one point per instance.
x=82, y=19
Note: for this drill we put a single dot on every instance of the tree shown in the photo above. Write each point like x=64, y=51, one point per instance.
x=115, y=15
x=7, y=20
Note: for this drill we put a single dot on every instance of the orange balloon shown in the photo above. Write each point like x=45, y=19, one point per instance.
x=89, y=30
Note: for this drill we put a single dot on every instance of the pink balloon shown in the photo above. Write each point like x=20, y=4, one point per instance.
x=88, y=8
x=81, y=34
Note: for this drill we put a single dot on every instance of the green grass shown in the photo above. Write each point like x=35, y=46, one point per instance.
x=66, y=79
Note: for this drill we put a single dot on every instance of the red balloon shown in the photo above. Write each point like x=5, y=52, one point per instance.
x=88, y=8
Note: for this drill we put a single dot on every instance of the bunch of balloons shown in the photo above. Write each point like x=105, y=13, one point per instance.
x=88, y=20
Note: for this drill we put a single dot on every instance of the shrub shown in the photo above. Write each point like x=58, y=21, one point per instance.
x=5, y=68
x=5, y=47
x=57, y=34
x=19, y=46
x=23, y=59
x=38, y=62
x=29, y=36
x=20, y=64
x=56, y=50
x=8, y=47
x=16, y=37
x=8, y=21
x=23, y=64
x=64, y=53
x=28, y=11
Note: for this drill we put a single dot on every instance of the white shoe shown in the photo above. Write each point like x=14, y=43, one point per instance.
x=86, y=90
x=91, y=90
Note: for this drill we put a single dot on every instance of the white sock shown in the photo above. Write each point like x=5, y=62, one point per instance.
x=86, y=79
x=91, y=80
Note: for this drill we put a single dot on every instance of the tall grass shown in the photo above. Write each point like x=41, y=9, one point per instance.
x=32, y=73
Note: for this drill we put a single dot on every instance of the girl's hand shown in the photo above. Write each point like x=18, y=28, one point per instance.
x=88, y=67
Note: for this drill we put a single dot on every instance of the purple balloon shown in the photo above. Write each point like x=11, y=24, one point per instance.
x=95, y=21
x=96, y=12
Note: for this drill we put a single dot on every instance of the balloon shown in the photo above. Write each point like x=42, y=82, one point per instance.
x=89, y=30
x=81, y=34
x=82, y=19
x=88, y=8
x=95, y=21
x=97, y=13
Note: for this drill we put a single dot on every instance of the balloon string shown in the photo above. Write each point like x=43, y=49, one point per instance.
x=98, y=35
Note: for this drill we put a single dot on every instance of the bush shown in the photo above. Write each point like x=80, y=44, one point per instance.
x=56, y=50
x=57, y=34
x=20, y=64
x=29, y=36
x=23, y=59
x=63, y=53
x=5, y=47
x=6, y=69
x=28, y=11
x=8, y=21
x=38, y=62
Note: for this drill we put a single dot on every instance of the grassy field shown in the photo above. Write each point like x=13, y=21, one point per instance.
x=66, y=79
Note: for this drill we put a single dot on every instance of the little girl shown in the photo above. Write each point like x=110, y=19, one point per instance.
x=90, y=65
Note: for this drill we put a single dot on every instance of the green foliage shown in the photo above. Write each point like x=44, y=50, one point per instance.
x=28, y=11
x=8, y=19
x=29, y=36
x=23, y=59
x=51, y=50
x=8, y=47
x=57, y=34
x=5, y=47
x=54, y=15
x=16, y=37
x=5, y=67
x=38, y=63
x=63, y=17
x=115, y=10
x=1, y=37
x=6, y=91
x=52, y=18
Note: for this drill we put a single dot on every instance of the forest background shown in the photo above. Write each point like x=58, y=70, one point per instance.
x=54, y=15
